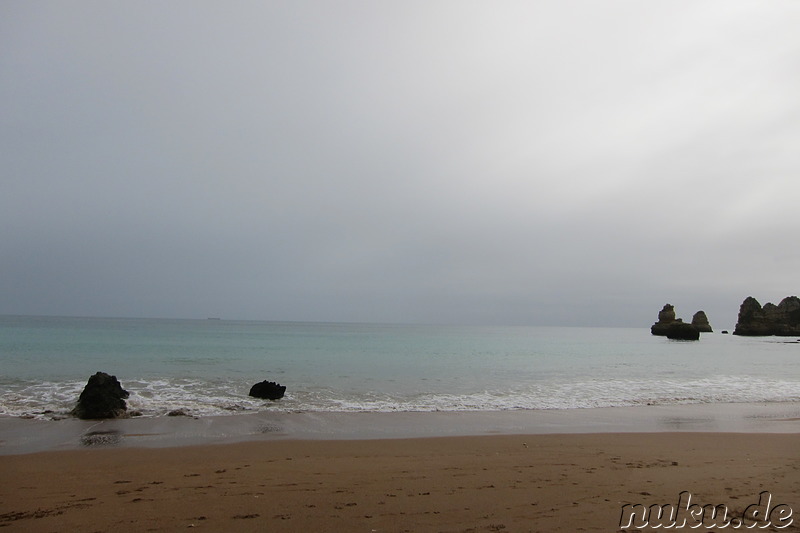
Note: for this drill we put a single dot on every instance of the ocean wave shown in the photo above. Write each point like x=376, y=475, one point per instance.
x=196, y=397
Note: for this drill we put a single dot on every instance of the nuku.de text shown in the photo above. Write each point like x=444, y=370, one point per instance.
x=693, y=515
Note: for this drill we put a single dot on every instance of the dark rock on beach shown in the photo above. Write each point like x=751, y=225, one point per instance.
x=782, y=319
x=700, y=321
x=267, y=389
x=102, y=397
x=682, y=331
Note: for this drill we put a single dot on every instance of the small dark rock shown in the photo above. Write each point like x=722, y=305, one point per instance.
x=177, y=412
x=267, y=389
x=102, y=397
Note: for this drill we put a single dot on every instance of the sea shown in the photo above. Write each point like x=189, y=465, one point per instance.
x=206, y=367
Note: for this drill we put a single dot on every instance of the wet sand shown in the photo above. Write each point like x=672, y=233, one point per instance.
x=556, y=482
x=26, y=436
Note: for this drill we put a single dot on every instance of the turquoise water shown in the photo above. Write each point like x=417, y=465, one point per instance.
x=206, y=367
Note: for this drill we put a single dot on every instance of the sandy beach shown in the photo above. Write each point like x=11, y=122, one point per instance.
x=557, y=482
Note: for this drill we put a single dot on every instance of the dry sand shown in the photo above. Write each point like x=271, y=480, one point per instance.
x=575, y=482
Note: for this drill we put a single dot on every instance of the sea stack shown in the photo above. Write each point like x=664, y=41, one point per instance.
x=675, y=328
x=700, y=321
x=102, y=397
x=782, y=319
x=666, y=317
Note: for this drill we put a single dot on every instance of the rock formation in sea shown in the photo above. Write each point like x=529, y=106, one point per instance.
x=268, y=389
x=782, y=319
x=102, y=397
x=666, y=317
x=676, y=328
x=680, y=330
x=700, y=321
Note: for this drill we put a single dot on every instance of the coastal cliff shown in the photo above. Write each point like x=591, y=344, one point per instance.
x=782, y=319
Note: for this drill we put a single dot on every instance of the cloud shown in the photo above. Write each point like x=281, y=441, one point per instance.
x=542, y=162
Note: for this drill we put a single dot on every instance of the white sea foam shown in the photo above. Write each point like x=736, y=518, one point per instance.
x=39, y=399
x=194, y=397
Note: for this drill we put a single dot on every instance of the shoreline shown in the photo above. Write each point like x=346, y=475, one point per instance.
x=25, y=436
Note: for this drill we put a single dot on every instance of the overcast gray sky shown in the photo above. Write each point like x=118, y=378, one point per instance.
x=538, y=162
